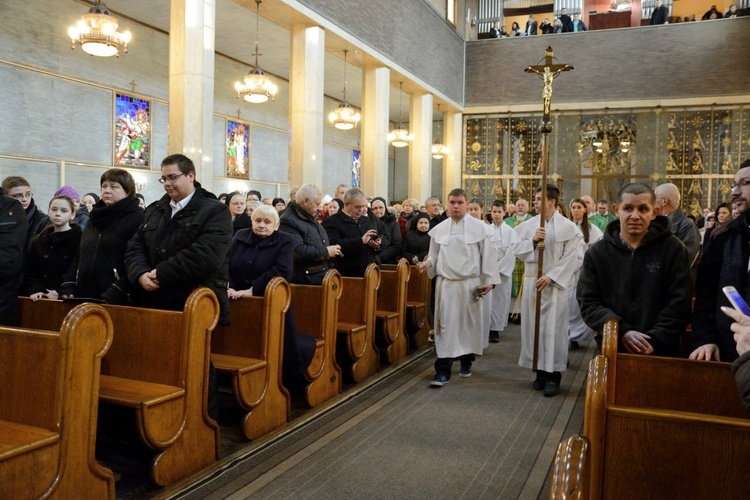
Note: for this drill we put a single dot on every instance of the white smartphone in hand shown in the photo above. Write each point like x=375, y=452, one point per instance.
x=736, y=300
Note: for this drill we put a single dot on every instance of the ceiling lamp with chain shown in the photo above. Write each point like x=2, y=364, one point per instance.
x=400, y=136
x=344, y=117
x=257, y=87
x=438, y=148
x=97, y=33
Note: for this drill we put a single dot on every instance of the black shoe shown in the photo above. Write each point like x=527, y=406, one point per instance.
x=574, y=346
x=541, y=380
x=551, y=388
x=494, y=336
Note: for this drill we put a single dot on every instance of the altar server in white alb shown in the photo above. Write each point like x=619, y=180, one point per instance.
x=561, y=246
x=465, y=263
x=505, y=243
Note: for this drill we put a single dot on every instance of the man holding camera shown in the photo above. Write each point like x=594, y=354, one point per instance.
x=360, y=237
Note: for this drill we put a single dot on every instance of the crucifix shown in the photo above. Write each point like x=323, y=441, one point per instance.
x=133, y=85
x=239, y=114
x=548, y=72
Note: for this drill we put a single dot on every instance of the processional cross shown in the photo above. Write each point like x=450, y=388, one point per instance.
x=548, y=72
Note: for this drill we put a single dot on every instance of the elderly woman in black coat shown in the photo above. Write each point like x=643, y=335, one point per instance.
x=417, y=242
x=257, y=255
x=390, y=254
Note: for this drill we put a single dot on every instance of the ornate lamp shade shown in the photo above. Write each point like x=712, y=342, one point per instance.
x=439, y=150
x=257, y=87
x=399, y=137
x=344, y=117
x=97, y=33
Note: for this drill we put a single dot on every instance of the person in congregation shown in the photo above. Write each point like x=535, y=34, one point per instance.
x=515, y=29
x=546, y=28
x=416, y=244
x=432, y=208
x=112, y=222
x=531, y=26
x=257, y=255
x=356, y=234
x=579, y=331
x=13, y=226
x=561, y=246
x=341, y=190
x=577, y=24
x=52, y=261
x=19, y=188
x=504, y=242
x=521, y=215
x=494, y=30
x=732, y=12
x=392, y=253
x=312, y=250
x=335, y=206
x=236, y=203
x=741, y=366
x=639, y=274
x=81, y=214
x=279, y=204
x=668, y=203
x=565, y=21
x=503, y=32
x=405, y=216
x=712, y=13
x=252, y=195
x=463, y=259
x=724, y=263
x=660, y=15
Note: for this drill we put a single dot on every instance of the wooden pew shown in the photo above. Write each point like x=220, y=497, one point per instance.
x=418, y=297
x=251, y=350
x=316, y=310
x=570, y=480
x=49, y=384
x=356, y=324
x=639, y=452
x=157, y=366
x=390, y=315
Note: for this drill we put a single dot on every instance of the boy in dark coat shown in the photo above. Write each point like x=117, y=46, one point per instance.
x=13, y=225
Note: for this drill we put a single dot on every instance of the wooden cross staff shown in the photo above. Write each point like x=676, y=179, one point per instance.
x=548, y=72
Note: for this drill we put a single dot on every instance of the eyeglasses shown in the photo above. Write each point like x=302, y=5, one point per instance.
x=21, y=196
x=171, y=178
x=743, y=183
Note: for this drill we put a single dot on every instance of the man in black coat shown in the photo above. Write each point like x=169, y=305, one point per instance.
x=183, y=243
x=567, y=23
x=36, y=220
x=725, y=263
x=639, y=274
x=432, y=206
x=660, y=15
x=356, y=234
x=531, y=26
x=312, y=249
x=13, y=225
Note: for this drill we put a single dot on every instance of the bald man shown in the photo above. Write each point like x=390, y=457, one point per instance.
x=668, y=203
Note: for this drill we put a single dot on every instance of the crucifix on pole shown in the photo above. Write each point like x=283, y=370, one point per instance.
x=548, y=72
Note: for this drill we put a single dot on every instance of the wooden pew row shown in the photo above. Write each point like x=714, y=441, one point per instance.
x=639, y=452
x=316, y=311
x=570, y=471
x=49, y=384
x=251, y=350
x=356, y=325
x=418, y=297
x=157, y=366
x=390, y=315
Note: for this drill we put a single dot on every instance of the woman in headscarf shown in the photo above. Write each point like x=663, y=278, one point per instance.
x=236, y=203
x=390, y=254
x=416, y=243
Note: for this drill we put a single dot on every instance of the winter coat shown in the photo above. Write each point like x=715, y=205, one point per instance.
x=310, y=242
x=101, y=260
x=188, y=251
x=646, y=289
x=391, y=253
x=242, y=221
x=52, y=261
x=254, y=261
x=13, y=226
x=36, y=222
x=416, y=243
x=723, y=264
x=347, y=232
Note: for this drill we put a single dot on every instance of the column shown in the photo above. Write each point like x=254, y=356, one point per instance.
x=306, y=105
x=376, y=90
x=191, y=84
x=420, y=157
x=452, y=162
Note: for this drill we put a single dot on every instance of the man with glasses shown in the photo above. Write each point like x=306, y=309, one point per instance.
x=725, y=263
x=17, y=187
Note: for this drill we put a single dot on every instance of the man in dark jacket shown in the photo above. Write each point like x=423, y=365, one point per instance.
x=356, y=234
x=639, y=274
x=567, y=23
x=660, y=15
x=311, y=247
x=36, y=220
x=13, y=226
x=725, y=263
x=183, y=243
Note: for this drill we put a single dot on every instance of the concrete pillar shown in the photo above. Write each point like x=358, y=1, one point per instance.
x=376, y=91
x=452, y=162
x=306, y=105
x=420, y=158
x=191, y=84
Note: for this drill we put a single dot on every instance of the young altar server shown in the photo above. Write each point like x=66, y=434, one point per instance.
x=561, y=246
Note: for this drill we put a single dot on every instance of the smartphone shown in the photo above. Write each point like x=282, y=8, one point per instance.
x=736, y=299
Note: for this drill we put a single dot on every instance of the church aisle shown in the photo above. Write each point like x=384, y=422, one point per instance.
x=488, y=436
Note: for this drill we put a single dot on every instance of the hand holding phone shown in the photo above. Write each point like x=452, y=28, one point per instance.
x=736, y=300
